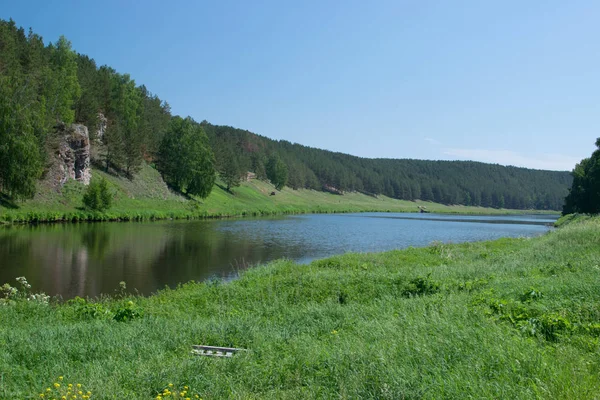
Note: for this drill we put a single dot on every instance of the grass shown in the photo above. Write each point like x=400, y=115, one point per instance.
x=511, y=318
x=146, y=197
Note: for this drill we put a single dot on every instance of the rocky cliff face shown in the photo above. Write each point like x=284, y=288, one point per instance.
x=73, y=155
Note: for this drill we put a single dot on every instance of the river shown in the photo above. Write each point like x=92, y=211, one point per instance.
x=92, y=258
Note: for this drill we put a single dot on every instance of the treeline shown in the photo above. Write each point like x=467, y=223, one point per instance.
x=584, y=195
x=447, y=182
x=44, y=86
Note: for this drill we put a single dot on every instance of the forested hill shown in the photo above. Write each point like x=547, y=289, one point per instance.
x=46, y=87
x=447, y=182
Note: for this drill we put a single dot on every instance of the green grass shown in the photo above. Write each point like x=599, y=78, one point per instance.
x=146, y=197
x=506, y=319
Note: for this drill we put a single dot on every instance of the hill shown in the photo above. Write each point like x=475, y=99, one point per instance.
x=50, y=93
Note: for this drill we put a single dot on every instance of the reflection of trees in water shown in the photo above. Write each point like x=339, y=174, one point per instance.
x=89, y=259
x=97, y=240
x=13, y=242
x=198, y=254
x=15, y=254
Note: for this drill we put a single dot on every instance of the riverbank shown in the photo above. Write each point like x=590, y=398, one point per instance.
x=146, y=197
x=511, y=318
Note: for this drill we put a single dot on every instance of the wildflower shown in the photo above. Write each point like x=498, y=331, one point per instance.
x=79, y=385
x=56, y=385
x=60, y=378
x=334, y=332
x=42, y=395
x=170, y=385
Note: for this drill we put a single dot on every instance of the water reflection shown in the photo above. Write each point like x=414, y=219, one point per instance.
x=90, y=259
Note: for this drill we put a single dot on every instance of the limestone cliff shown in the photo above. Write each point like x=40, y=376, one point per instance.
x=72, y=156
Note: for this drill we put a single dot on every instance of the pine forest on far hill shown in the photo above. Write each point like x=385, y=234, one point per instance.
x=44, y=86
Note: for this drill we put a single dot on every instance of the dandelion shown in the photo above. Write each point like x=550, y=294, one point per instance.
x=56, y=385
x=60, y=378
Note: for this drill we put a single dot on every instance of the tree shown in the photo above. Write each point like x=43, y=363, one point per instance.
x=126, y=107
x=230, y=170
x=185, y=159
x=62, y=88
x=277, y=172
x=584, y=195
x=98, y=196
x=20, y=158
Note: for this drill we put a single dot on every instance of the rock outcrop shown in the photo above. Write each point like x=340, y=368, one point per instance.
x=102, y=125
x=73, y=156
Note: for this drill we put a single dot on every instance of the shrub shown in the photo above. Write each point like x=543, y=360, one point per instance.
x=98, y=196
x=421, y=286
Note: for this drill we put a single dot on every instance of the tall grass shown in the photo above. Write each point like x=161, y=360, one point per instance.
x=512, y=318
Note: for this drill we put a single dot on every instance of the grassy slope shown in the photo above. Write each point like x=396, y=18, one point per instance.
x=147, y=197
x=512, y=318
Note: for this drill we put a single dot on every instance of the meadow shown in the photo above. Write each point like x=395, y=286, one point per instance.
x=146, y=197
x=511, y=318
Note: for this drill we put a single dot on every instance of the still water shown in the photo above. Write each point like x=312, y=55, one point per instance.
x=89, y=259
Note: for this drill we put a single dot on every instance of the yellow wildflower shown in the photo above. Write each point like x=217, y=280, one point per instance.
x=60, y=378
x=79, y=385
x=170, y=385
x=56, y=385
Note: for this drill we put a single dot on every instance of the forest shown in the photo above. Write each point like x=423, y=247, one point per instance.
x=44, y=86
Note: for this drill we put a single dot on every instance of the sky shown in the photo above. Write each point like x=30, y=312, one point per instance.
x=507, y=82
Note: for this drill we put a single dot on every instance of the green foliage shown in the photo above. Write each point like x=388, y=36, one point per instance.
x=61, y=89
x=421, y=286
x=185, y=159
x=98, y=196
x=230, y=171
x=127, y=312
x=277, y=172
x=89, y=310
x=20, y=159
x=584, y=195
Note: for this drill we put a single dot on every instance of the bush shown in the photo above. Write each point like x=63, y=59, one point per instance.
x=98, y=196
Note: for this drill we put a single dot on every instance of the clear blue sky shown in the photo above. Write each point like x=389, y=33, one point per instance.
x=509, y=82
